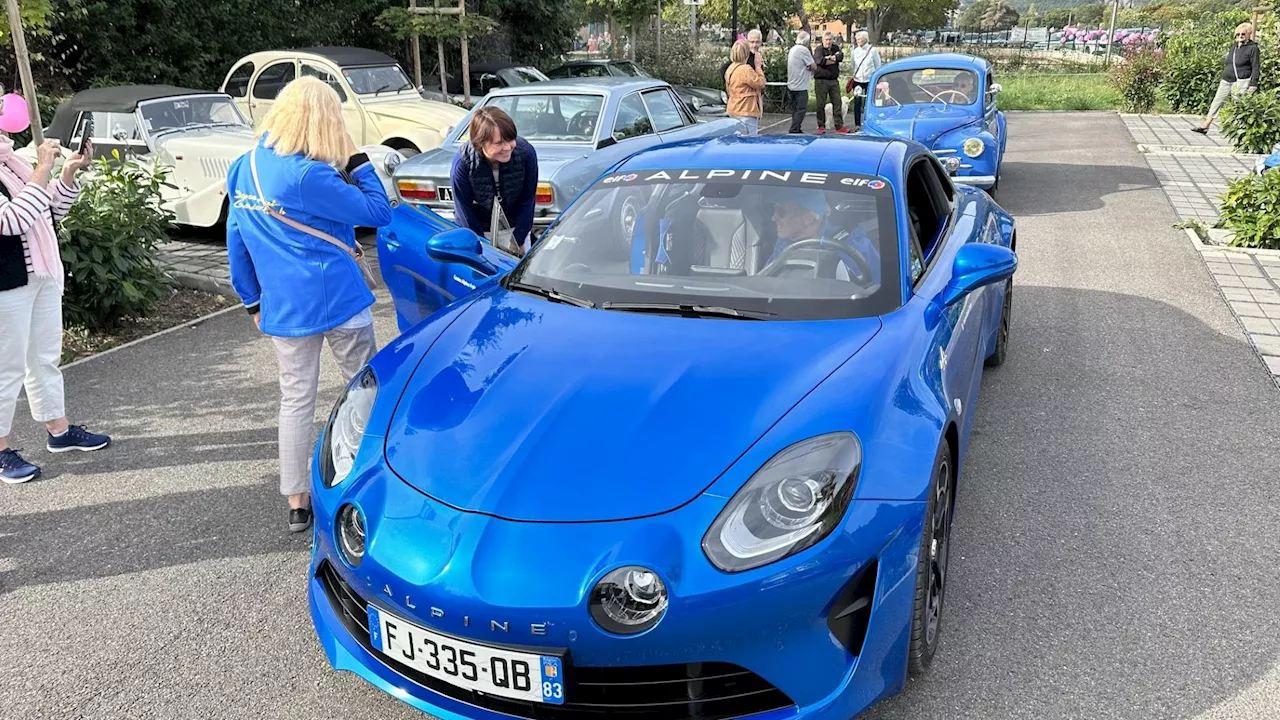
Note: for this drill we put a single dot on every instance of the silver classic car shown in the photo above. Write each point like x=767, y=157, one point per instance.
x=579, y=128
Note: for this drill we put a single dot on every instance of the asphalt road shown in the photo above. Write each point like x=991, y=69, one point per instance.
x=1116, y=539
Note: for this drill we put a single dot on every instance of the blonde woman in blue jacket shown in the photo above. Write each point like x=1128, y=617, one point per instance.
x=296, y=201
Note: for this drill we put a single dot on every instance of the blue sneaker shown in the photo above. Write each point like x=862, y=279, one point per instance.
x=14, y=470
x=77, y=438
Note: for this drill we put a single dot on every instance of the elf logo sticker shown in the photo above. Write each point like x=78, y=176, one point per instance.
x=875, y=184
x=863, y=182
x=621, y=178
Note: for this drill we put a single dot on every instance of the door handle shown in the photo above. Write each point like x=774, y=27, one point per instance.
x=392, y=243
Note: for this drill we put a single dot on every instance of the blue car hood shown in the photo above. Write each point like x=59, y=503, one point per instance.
x=922, y=123
x=536, y=411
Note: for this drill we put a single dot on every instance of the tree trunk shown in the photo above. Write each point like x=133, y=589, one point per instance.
x=631, y=40
x=804, y=17
x=613, y=33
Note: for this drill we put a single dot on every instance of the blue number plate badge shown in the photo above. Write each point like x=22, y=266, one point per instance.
x=552, y=680
x=375, y=627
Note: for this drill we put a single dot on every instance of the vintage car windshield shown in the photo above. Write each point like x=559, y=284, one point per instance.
x=191, y=112
x=631, y=69
x=549, y=118
x=523, y=75
x=927, y=86
x=776, y=245
x=376, y=79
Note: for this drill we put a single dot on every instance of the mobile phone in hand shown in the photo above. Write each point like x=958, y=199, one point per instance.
x=84, y=137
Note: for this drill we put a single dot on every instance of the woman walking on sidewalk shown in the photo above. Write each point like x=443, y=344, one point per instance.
x=299, y=196
x=1240, y=71
x=31, y=285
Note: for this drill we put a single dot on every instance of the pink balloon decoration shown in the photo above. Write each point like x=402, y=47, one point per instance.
x=14, y=117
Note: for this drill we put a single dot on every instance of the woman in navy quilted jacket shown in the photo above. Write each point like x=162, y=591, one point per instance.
x=496, y=165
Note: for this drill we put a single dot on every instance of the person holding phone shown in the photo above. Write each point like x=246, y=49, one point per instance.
x=31, y=286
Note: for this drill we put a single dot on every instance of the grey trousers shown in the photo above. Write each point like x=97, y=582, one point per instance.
x=299, y=359
x=1225, y=90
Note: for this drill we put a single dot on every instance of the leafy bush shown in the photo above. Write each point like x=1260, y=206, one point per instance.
x=1193, y=59
x=1137, y=78
x=681, y=61
x=1251, y=208
x=109, y=241
x=1251, y=121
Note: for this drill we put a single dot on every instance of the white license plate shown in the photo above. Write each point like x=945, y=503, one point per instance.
x=486, y=669
x=444, y=193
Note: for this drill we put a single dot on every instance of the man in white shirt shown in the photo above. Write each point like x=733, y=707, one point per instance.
x=800, y=65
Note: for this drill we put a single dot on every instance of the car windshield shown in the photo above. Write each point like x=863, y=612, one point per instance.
x=376, y=78
x=930, y=85
x=564, y=118
x=189, y=112
x=523, y=75
x=631, y=69
x=765, y=244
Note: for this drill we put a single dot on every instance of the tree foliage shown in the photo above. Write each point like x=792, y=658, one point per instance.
x=403, y=24
x=989, y=15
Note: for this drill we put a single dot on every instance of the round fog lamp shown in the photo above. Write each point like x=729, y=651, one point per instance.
x=629, y=600
x=351, y=534
x=973, y=147
x=953, y=164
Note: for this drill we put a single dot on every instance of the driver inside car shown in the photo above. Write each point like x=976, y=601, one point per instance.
x=800, y=214
x=964, y=84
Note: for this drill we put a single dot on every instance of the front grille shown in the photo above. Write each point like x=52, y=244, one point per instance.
x=709, y=691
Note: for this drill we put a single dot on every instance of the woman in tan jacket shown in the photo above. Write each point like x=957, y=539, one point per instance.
x=744, y=83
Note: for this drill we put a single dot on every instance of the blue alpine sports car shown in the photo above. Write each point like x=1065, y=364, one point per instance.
x=947, y=102
x=702, y=469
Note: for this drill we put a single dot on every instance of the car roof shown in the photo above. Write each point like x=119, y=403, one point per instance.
x=120, y=98
x=595, y=61
x=347, y=56
x=843, y=153
x=934, y=60
x=577, y=85
x=493, y=66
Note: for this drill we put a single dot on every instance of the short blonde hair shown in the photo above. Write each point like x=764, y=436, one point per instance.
x=307, y=118
x=1247, y=29
x=740, y=52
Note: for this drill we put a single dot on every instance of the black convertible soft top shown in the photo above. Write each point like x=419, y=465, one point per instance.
x=123, y=98
x=350, y=56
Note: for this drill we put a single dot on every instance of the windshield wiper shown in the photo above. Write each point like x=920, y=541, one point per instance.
x=381, y=89
x=548, y=293
x=688, y=310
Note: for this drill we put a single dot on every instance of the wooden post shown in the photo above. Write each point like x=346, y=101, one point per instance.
x=466, y=63
x=417, y=52
x=24, y=70
x=440, y=52
x=1111, y=34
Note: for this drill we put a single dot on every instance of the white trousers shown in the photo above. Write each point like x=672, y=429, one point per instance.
x=1225, y=90
x=30, y=351
x=299, y=359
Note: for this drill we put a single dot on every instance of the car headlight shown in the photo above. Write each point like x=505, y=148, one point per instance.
x=791, y=503
x=392, y=161
x=350, y=531
x=724, y=98
x=346, y=427
x=973, y=147
x=629, y=600
x=697, y=102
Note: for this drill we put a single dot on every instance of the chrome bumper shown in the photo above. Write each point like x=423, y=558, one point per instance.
x=974, y=179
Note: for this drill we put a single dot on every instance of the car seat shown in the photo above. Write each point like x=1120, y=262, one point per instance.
x=732, y=231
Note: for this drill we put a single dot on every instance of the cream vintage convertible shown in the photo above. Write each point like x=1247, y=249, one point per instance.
x=196, y=133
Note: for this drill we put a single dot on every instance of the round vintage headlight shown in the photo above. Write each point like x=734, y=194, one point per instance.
x=629, y=600
x=393, y=160
x=724, y=98
x=973, y=147
x=350, y=533
x=953, y=164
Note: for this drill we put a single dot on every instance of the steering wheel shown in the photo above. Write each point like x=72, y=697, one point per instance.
x=862, y=267
x=583, y=123
x=953, y=92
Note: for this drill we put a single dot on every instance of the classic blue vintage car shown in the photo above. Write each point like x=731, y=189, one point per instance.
x=947, y=102
x=579, y=128
x=706, y=468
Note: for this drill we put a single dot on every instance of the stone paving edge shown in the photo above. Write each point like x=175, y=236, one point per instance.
x=1204, y=247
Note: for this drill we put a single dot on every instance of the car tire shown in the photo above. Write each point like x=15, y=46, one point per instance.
x=996, y=358
x=931, y=566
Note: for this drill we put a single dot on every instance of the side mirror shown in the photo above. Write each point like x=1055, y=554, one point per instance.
x=976, y=265
x=996, y=87
x=460, y=245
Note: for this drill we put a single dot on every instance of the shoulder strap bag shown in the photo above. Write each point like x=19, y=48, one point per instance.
x=355, y=254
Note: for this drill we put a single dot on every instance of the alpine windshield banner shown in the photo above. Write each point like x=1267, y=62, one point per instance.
x=788, y=178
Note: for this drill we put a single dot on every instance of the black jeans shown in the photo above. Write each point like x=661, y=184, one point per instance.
x=799, y=107
x=829, y=92
x=859, y=103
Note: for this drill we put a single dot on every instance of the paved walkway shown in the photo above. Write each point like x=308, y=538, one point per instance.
x=1193, y=170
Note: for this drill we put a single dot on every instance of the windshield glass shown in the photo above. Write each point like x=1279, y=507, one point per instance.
x=381, y=78
x=189, y=112
x=566, y=118
x=523, y=75
x=631, y=69
x=776, y=244
x=931, y=85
